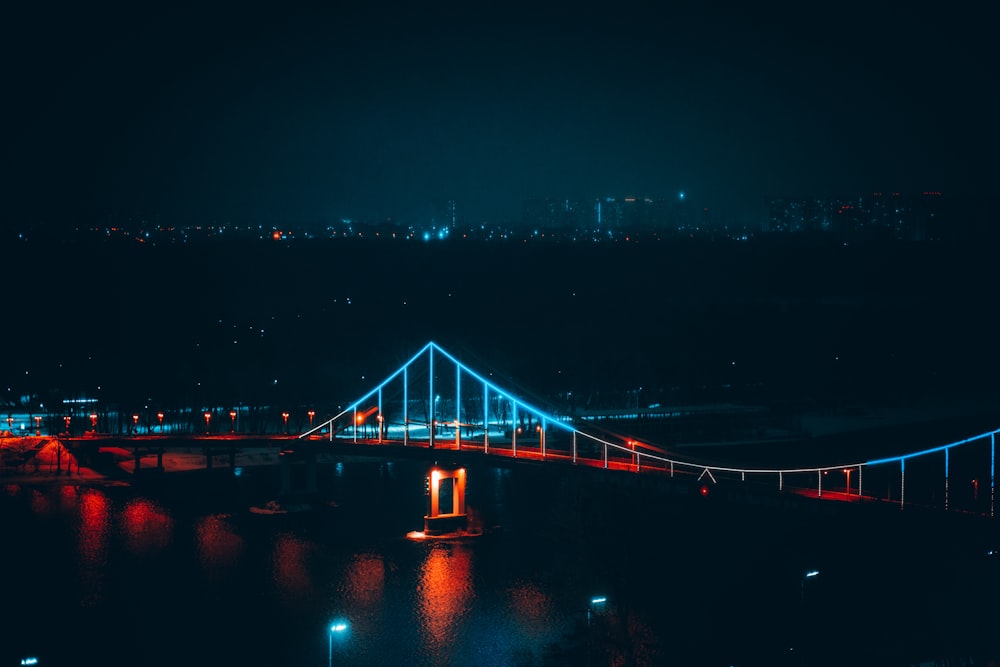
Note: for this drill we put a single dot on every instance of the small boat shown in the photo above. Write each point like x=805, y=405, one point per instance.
x=275, y=507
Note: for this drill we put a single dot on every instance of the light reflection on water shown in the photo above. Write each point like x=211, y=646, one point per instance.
x=146, y=526
x=444, y=596
x=219, y=546
x=531, y=606
x=291, y=572
x=172, y=581
x=363, y=583
x=92, y=543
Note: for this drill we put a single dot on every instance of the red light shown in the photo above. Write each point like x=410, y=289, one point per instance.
x=704, y=490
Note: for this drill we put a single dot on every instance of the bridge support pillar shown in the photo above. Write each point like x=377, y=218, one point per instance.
x=446, y=502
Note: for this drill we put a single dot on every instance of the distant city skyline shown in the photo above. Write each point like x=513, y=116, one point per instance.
x=914, y=216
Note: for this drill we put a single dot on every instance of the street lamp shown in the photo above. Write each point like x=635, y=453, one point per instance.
x=338, y=627
x=66, y=419
x=312, y=413
x=135, y=424
x=284, y=417
x=93, y=422
x=38, y=425
x=208, y=418
x=847, y=471
x=232, y=420
x=159, y=415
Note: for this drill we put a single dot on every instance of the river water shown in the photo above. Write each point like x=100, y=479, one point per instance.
x=183, y=573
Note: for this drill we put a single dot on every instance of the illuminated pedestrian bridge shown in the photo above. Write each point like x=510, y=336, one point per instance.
x=434, y=401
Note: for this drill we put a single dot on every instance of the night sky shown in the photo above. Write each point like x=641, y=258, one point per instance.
x=290, y=114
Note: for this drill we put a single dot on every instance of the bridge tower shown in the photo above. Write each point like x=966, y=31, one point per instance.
x=445, y=490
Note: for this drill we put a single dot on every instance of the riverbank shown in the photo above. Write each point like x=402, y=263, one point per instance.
x=44, y=460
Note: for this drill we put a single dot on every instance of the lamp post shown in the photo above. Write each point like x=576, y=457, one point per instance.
x=284, y=418
x=808, y=575
x=93, y=422
x=208, y=418
x=38, y=425
x=159, y=415
x=337, y=628
x=594, y=601
x=847, y=471
x=232, y=420
x=311, y=413
x=135, y=424
x=805, y=631
x=66, y=420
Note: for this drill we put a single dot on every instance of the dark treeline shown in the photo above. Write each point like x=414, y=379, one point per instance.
x=319, y=322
